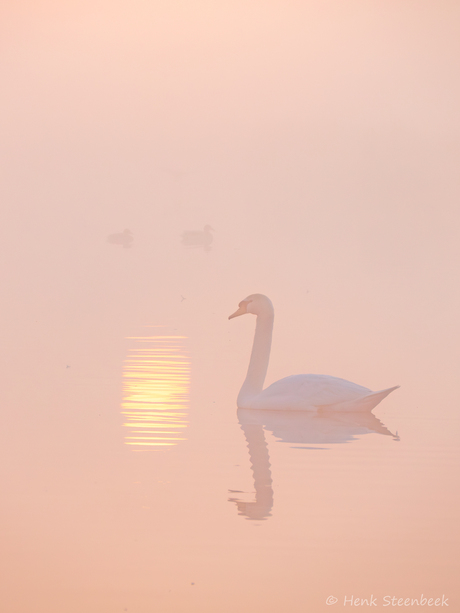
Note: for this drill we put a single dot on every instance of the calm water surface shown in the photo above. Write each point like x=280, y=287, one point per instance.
x=131, y=483
x=162, y=161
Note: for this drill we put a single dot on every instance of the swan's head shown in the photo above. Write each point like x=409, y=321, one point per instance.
x=257, y=304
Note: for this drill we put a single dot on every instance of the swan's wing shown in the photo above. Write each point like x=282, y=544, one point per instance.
x=301, y=392
x=364, y=403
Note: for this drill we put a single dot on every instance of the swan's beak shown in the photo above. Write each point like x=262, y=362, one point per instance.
x=241, y=311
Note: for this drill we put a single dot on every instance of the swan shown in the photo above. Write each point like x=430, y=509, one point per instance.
x=297, y=392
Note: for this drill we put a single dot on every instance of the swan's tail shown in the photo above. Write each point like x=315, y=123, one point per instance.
x=364, y=403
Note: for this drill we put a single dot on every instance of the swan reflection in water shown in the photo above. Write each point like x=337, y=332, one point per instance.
x=302, y=429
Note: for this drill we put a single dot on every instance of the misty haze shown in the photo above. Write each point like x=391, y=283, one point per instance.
x=164, y=162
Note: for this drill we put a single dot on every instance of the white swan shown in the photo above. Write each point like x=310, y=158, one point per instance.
x=297, y=392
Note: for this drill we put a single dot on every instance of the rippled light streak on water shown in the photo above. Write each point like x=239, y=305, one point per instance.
x=156, y=383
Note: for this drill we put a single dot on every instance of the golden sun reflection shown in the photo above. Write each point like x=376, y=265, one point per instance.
x=156, y=383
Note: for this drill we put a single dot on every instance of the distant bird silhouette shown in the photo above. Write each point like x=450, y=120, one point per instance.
x=198, y=238
x=124, y=238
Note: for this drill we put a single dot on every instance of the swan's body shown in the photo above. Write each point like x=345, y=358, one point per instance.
x=197, y=238
x=124, y=238
x=297, y=392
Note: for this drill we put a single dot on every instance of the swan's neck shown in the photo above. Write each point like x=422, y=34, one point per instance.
x=258, y=364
